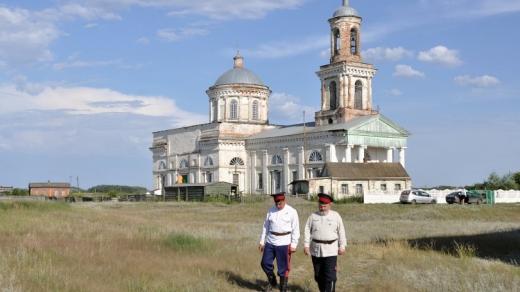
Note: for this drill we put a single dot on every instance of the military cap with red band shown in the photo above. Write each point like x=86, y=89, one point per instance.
x=278, y=197
x=325, y=199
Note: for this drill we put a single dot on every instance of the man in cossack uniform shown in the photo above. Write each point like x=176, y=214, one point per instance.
x=279, y=239
x=324, y=240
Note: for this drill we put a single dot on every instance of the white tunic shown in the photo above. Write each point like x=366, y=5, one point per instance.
x=325, y=228
x=281, y=221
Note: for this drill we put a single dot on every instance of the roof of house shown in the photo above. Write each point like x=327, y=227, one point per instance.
x=49, y=185
x=364, y=170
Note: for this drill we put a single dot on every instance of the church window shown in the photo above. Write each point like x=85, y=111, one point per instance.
x=277, y=159
x=233, y=110
x=337, y=41
x=184, y=164
x=208, y=161
x=236, y=161
x=353, y=41
x=255, y=110
x=333, y=95
x=162, y=165
x=260, y=181
x=315, y=157
x=358, y=98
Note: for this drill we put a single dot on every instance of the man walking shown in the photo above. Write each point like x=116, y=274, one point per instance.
x=280, y=234
x=324, y=239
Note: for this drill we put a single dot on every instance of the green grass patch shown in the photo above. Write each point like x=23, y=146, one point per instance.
x=186, y=242
x=36, y=206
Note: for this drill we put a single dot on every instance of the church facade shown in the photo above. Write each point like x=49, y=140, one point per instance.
x=350, y=148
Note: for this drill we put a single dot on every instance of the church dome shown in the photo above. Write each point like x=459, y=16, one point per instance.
x=345, y=10
x=239, y=74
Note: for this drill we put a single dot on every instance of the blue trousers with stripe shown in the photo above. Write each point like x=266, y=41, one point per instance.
x=282, y=256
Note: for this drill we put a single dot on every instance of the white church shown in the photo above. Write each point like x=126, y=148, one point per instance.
x=348, y=150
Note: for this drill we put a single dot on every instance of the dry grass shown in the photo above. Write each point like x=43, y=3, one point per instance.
x=212, y=247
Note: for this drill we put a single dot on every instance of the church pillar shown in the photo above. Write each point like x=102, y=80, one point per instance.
x=301, y=163
x=390, y=155
x=285, y=174
x=323, y=95
x=343, y=90
x=402, y=156
x=351, y=91
x=369, y=94
x=265, y=174
x=361, y=153
x=348, y=153
x=197, y=171
x=331, y=153
x=252, y=173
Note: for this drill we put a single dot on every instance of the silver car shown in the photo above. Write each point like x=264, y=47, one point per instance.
x=416, y=197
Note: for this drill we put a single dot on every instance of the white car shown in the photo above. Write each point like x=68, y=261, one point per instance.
x=417, y=197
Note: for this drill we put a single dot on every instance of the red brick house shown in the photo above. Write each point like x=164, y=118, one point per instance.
x=50, y=189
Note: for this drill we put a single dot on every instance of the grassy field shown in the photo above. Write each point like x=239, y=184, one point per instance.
x=49, y=246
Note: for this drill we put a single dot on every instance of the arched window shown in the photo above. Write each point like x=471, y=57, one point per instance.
x=208, y=161
x=353, y=41
x=337, y=41
x=184, y=164
x=358, y=98
x=162, y=165
x=255, y=110
x=236, y=161
x=233, y=110
x=277, y=159
x=315, y=157
x=333, y=95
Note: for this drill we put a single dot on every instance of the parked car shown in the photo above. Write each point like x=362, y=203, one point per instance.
x=468, y=197
x=416, y=197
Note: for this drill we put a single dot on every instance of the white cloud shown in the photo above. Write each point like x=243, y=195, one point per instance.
x=25, y=36
x=389, y=54
x=84, y=64
x=90, y=101
x=441, y=55
x=288, y=108
x=289, y=48
x=478, y=81
x=174, y=35
x=395, y=92
x=407, y=71
x=143, y=41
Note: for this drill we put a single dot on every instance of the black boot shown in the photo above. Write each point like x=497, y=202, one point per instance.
x=271, y=278
x=329, y=286
x=283, y=284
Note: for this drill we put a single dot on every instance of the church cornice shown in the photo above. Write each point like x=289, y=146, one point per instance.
x=249, y=91
x=333, y=70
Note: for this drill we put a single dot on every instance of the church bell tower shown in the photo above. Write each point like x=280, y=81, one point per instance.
x=346, y=82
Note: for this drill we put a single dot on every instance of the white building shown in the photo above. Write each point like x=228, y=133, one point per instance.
x=239, y=146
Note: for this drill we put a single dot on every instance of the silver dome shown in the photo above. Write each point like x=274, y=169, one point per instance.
x=346, y=11
x=239, y=76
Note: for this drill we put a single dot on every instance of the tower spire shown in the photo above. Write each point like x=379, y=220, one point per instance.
x=346, y=3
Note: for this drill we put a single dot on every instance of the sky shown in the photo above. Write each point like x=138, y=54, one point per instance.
x=83, y=84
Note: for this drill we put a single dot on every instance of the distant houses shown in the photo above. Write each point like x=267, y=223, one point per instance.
x=5, y=190
x=50, y=189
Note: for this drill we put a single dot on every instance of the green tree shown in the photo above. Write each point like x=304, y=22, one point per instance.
x=19, y=192
x=516, y=178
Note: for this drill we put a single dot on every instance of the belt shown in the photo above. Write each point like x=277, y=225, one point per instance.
x=280, y=233
x=324, y=241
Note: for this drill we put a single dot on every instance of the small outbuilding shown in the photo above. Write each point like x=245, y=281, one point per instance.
x=197, y=192
x=355, y=179
x=54, y=190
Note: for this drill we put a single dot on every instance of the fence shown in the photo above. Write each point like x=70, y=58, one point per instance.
x=501, y=196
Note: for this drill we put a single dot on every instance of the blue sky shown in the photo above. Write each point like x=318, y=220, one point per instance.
x=83, y=84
